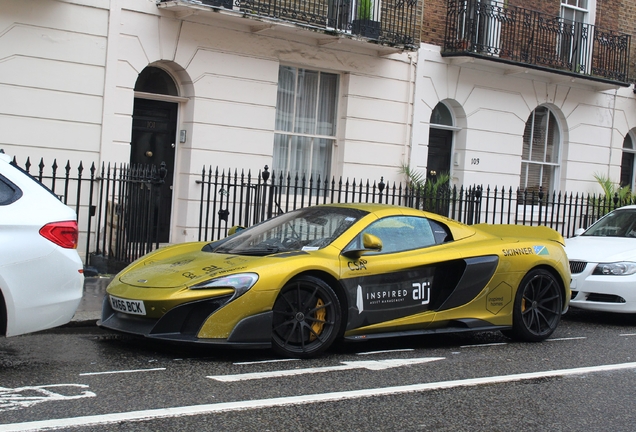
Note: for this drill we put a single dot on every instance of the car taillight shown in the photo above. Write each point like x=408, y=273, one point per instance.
x=63, y=234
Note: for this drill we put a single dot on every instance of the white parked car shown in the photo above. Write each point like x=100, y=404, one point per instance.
x=41, y=273
x=603, y=263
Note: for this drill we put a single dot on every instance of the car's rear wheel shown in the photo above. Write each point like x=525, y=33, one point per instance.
x=307, y=318
x=537, y=308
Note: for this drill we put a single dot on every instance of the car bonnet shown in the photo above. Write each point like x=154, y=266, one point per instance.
x=183, y=270
x=601, y=249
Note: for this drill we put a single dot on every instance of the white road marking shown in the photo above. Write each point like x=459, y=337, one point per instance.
x=628, y=334
x=566, y=339
x=296, y=400
x=121, y=371
x=367, y=364
x=24, y=397
x=265, y=361
x=385, y=351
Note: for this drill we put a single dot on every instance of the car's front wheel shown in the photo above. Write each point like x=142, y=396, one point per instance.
x=537, y=308
x=307, y=318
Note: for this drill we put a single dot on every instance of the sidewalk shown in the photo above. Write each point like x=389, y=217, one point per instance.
x=90, y=308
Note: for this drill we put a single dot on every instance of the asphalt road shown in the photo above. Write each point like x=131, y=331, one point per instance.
x=87, y=379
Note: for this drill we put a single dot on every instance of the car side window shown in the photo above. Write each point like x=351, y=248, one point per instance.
x=403, y=233
x=9, y=192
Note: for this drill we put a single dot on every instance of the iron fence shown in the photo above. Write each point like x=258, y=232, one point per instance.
x=117, y=205
x=116, y=208
x=231, y=198
x=508, y=33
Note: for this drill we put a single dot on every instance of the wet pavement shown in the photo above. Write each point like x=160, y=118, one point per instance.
x=90, y=308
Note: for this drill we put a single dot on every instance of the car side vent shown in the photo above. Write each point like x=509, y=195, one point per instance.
x=577, y=266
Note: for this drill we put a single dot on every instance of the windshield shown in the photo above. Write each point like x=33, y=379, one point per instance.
x=309, y=228
x=619, y=223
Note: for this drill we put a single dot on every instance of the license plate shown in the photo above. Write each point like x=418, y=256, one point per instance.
x=135, y=307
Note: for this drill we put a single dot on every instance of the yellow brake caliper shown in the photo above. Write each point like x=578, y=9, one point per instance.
x=320, y=315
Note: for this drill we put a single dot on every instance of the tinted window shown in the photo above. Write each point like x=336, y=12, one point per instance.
x=9, y=192
x=619, y=223
x=403, y=233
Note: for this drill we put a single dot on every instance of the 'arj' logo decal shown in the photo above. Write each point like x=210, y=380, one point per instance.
x=541, y=250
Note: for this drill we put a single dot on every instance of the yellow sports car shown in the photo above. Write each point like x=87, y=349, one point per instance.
x=299, y=281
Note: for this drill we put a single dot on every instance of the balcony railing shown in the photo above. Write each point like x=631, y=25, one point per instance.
x=512, y=34
x=389, y=22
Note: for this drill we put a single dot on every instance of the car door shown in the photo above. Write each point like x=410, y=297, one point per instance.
x=412, y=274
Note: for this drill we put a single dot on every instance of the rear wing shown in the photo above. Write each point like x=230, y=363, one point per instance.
x=522, y=231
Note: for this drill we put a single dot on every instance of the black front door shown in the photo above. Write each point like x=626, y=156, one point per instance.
x=440, y=144
x=153, y=142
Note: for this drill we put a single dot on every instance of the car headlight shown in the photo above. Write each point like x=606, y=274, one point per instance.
x=615, y=269
x=240, y=283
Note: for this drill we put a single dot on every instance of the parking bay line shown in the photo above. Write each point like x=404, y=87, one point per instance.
x=122, y=371
x=297, y=400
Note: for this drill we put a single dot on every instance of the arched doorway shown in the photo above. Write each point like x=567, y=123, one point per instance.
x=440, y=143
x=153, y=140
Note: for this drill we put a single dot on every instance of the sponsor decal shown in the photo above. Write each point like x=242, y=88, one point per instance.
x=181, y=263
x=211, y=269
x=357, y=265
x=381, y=297
x=422, y=291
x=541, y=250
x=518, y=251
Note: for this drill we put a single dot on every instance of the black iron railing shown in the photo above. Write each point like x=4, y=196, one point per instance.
x=391, y=22
x=231, y=198
x=117, y=206
x=501, y=32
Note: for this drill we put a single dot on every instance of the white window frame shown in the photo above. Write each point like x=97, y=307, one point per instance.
x=290, y=135
x=555, y=167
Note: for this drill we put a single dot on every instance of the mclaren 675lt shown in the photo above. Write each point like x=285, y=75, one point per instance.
x=302, y=280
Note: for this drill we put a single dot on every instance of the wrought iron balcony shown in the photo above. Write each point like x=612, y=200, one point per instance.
x=388, y=22
x=510, y=34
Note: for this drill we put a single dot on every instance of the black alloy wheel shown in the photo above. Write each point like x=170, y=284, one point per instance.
x=537, y=308
x=307, y=318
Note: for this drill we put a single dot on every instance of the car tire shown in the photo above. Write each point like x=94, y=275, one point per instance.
x=307, y=317
x=537, y=308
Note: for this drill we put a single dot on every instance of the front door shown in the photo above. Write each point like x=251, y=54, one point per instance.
x=440, y=144
x=153, y=142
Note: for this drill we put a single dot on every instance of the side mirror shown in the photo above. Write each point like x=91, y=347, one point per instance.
x=370, y=243
x=578, y=232
x=234, y=230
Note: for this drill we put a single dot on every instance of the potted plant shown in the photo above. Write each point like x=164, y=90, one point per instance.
x=366, y=23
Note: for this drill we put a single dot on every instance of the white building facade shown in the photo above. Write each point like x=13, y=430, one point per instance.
x=119, y=81
x=195, y=86
x=491, y=107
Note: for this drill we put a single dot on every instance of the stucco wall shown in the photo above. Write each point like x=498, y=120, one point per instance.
x=492, y=104
x=70, y=68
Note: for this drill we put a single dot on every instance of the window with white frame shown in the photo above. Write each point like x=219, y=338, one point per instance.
x=540, y=156
x=575, y=40
x=305, y=130
x=627, y=162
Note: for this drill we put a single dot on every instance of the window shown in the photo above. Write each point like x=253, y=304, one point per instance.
x=575, y=40
x=404, y=233
x=627, y=162
x=480, y=25
x=305, y=129
x=539, y=159
x=9, y=193
x=441, y=115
